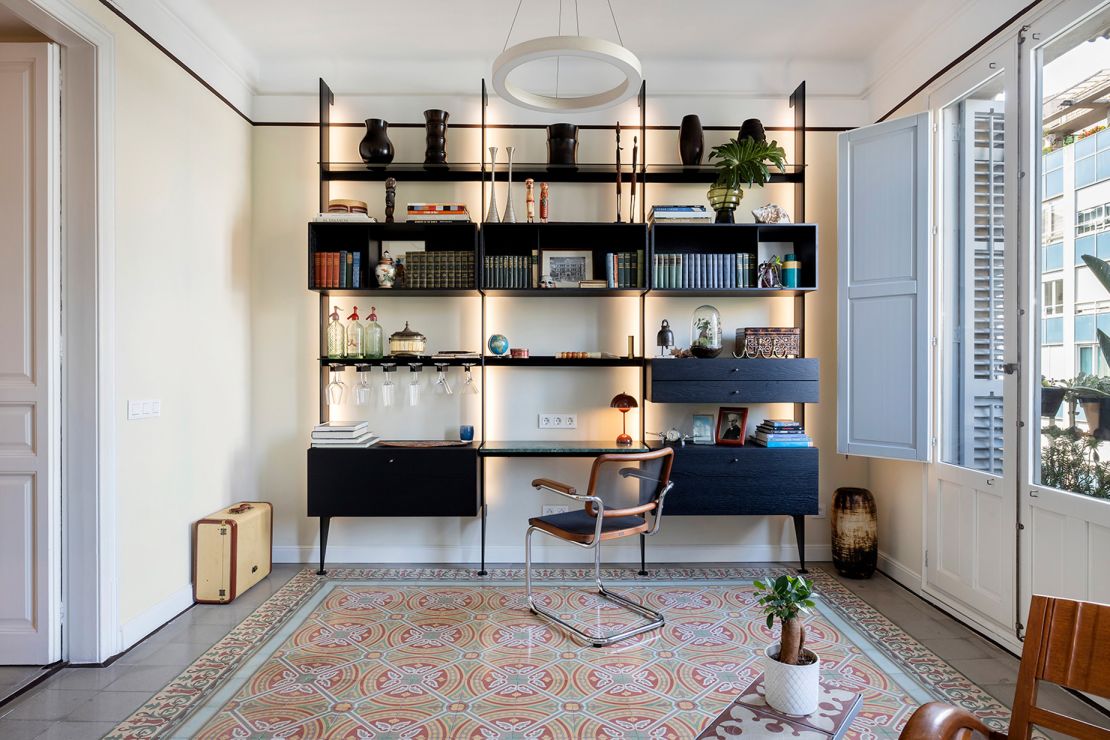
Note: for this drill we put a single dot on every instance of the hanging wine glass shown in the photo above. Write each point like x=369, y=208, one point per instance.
x=416, y=377
x=336, y=387
x=389, y=388
x=442, y=387
x=362, y=387
x=470, y=384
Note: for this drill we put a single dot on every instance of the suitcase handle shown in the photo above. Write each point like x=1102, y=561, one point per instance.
x=239, y=509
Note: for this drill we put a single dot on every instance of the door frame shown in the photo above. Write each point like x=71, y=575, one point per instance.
x=88, y=450
x=1000, y=58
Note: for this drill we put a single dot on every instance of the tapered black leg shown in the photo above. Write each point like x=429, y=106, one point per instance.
x=482, y=571
x=800, y=534
x=643, y=555
x=325, y=524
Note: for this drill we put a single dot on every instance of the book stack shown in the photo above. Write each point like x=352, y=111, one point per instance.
x=340, y=269
x=344, y=434
x=681, y=215
x=780, y=433
x=510, y=270
x=343, y=218
x=713, y=271
x=450, y=269
x=437, y=213
x=624, y=269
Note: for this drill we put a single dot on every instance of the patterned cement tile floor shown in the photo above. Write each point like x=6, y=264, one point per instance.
x=88, y=702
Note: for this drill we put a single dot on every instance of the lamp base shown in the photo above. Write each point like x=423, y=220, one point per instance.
x=624, y=440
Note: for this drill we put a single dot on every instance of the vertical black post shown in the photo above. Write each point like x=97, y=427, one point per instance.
x=482, y=569
x=482, y=298
x=643, y=555
x=798, y=103
x=327, y=100
x=643, y=153
x=482, y=204
x=800, y=534
x=325, y=525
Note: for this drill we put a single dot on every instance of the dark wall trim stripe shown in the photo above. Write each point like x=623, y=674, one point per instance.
x=960, y=58
x=177, y=61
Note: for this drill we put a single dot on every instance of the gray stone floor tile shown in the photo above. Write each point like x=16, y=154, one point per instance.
x=961, y=648
x=23, y=729
x=109, y=706
x=148, y=678
x=988, y=671
x=67, y=730
x=46, y=704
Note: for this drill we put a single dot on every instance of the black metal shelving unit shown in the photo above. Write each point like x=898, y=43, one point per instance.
x=785, y=479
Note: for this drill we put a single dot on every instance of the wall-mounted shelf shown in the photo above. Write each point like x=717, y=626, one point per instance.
x=550, y=361
x=707, y=174
x=471, y=172
x=398, y=292
x=402, y=361
x=554, y=448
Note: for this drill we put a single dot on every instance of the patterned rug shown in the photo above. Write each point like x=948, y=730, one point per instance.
x=437, y=654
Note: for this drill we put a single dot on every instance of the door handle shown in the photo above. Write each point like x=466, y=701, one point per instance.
x=1010, y=368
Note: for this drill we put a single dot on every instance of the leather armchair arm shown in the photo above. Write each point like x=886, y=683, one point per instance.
x=938, y=721
x=554, y=486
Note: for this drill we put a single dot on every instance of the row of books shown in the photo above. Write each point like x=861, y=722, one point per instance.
x=510, y=271
x=450, y=269
x=781, y=433
x=344, y=434
x=437, y=213
x=624, y=269
x=340, y=269
x=703, y=270
x=680, y=214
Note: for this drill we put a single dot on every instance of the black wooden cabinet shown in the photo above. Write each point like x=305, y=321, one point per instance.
x=733, y=380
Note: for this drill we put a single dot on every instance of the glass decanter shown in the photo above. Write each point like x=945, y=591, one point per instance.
x=442, y=387
x=336, y=387
x=354, y=335
x=362, y=387
x=470, y=383
x=416, y=381
x=373, y=341
x=389, y=388
x=337, y=336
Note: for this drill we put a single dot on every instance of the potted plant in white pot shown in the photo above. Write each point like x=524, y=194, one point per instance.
x=791, y=673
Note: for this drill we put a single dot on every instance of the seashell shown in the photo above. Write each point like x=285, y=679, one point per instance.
x=771, y=214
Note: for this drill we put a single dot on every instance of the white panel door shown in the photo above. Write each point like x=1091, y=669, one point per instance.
x=29, y=504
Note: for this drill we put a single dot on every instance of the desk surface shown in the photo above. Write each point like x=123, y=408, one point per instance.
x=553, y=448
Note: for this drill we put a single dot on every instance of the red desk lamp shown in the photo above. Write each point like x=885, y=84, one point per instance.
x=623, y=402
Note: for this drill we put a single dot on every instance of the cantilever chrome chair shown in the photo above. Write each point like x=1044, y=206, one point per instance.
x=593, y=524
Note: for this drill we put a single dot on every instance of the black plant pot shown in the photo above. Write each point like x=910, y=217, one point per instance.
x=435, y=128
x=562, y=143
x=1097, y=412
x=1051, y=399
x=375, y=147
x=691, y=141
x=752, y=128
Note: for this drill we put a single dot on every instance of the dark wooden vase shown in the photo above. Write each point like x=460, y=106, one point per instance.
x=435, y=128
x=752, y=128
x=375, y=147
x=855, y=533
x=691, y=141
x=562, y=143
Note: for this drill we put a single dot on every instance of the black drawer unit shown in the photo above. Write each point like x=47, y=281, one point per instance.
x=732, y=380
x=715, y=480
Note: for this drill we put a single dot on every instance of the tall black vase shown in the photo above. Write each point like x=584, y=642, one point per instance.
x=562, y=143
x=752, y=128
x=691, y=140
x=375, y=147
x=435, y=128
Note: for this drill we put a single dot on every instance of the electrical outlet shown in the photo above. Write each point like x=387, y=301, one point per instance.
x=558, y=421
x=570, y=421
x=549, y=510
x=147, y=409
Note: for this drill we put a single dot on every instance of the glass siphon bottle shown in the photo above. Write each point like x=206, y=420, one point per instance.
x=373, y=342
x=355, y=344
x=337, y=336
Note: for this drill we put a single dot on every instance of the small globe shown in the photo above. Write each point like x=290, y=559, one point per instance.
x=498, y=344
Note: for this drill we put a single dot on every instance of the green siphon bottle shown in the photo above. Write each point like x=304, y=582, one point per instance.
x=373, y=344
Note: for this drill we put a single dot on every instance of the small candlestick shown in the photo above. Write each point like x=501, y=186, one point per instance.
x=530, y=199
x=544, y=202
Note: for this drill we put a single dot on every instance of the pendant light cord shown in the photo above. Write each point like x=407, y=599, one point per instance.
x=512, y=25
x=614, y=17
x=557, y=59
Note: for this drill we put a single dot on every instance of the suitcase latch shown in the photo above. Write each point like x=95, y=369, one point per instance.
x=223, y=531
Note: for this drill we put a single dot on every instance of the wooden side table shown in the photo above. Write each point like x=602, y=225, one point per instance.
x=750, y=715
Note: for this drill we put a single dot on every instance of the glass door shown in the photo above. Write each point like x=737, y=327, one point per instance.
x=1066, y=505
x=970, y=504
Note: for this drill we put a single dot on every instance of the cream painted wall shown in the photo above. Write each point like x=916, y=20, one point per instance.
x=286, y=383
x=183, y=196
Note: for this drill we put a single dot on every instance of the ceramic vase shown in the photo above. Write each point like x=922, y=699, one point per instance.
x=386, y=271
x=491, y=215
x=562, y=144
x=752, y=128
x=791, y=689
x=510, y=214
x=375, y=147
x=435, y=128
x=691, y=141
x=855, y=538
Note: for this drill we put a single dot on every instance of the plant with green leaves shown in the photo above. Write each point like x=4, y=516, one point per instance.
x=787, y=598
x=1101, y=270
x=741, y=162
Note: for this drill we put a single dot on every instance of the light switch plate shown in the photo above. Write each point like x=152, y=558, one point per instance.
x=144, y=409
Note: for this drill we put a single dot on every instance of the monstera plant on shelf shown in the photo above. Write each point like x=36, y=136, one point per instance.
x=791, y=673
x=741, y=162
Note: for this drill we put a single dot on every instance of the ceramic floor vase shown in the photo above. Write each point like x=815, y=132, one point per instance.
x=855, y=533
x=562, y=144
x=435, y=128
x=375, y=147
x=691, y=141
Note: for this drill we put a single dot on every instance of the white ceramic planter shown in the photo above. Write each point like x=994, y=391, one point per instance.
x=791, y=689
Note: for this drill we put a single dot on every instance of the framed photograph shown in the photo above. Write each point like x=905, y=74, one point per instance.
x=566, y=268
x=732, y=425
x=703, y=429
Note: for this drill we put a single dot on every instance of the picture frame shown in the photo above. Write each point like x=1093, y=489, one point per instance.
x=703, y=432
x=567, y=267
x=732, y=425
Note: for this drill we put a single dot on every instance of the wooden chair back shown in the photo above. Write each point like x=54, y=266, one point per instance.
x=1068, y=643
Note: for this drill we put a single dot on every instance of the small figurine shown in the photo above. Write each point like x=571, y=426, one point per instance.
x=771, y=214
x=530, y=199
x=632, y=197
x=390, y=198
x=546, y=281
x=618, y=158
x=770, y=273
x=544, y=202
x=386, y=271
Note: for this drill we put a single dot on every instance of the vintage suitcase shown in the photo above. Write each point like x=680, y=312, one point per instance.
x=231, y=551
